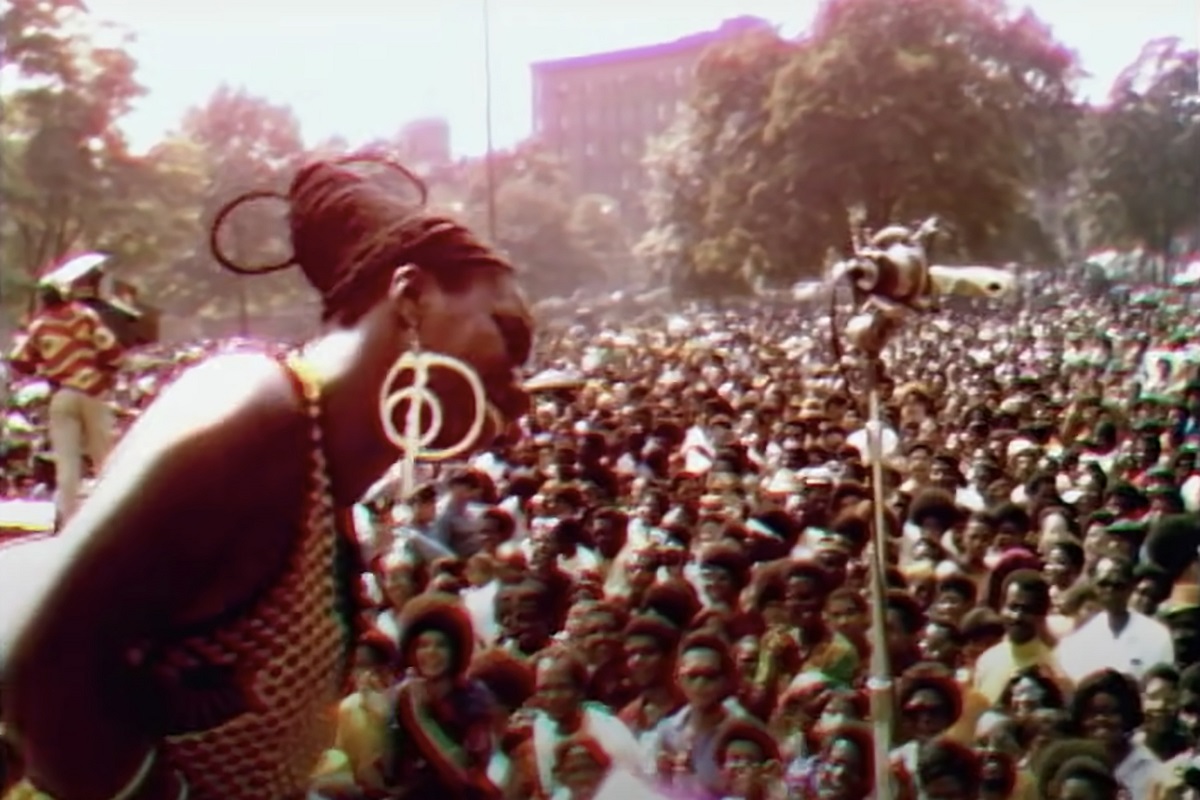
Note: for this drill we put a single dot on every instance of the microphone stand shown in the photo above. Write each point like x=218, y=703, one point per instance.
x=879, y=319
x=879, y=316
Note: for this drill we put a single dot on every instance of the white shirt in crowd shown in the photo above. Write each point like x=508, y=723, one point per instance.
x=480, y=602
x=598, y=723
x=1141, y=773
x=888, y=439
x=1191, y=493
x=1141, y=644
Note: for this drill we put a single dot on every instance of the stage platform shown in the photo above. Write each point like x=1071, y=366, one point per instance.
x=20, y=518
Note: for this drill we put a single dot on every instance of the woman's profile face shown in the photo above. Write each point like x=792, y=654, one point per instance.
x=487, y=326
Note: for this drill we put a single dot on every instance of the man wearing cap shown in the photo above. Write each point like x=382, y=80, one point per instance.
x=69, y=346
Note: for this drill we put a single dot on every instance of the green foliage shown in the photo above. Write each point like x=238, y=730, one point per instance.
x=65, y=163
x=705, y=172
x=71, y=183
x=596, y=228
x=1144, y=152
x=895, y=110
x=245, y=143
x=560, y=242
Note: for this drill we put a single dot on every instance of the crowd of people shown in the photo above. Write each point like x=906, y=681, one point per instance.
x=661, y=587
x=666, y=577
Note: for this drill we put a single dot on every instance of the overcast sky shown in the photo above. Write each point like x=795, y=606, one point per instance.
x=362, y=68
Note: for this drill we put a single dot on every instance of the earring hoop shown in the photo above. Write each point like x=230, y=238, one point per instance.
x=414, y=441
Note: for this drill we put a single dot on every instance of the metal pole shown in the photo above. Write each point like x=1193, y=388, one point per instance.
x=879, y=683
x=243, y=311
x=489, y=161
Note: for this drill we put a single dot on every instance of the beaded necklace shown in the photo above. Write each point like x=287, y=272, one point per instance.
x=320, y=505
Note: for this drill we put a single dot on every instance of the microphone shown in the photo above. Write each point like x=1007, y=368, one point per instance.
x=990, y=282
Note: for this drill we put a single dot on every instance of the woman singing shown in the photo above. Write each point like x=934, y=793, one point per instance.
x=189, y=632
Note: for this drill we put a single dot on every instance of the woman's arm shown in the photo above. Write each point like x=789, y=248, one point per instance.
x=144, y=546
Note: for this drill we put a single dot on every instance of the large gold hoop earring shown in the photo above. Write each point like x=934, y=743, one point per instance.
x=414, y=442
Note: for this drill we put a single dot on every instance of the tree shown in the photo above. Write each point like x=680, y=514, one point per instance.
x=703, y=168
x=66, y=164
x=235, y=143
x=1144, y=151
x=538, y=219
x=918, y=108
x=155, y=221
x=533, y=220
x=893, y=110
x=596, y=228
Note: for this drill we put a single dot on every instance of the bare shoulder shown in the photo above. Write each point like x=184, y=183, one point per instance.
x=206, y=394
x=233, y=399
x=175, y=498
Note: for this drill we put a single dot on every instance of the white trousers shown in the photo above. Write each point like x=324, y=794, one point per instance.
x=79, y=425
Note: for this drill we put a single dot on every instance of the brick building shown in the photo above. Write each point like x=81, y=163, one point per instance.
x=426, y=141
x=597, y=111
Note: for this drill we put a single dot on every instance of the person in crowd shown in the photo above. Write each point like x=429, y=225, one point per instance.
x=511, y=684
x=1026, y=603
x=1073, y=769
x=1183, y=770
x=70, y=347
x=998, y=742
x=947, y=770
x=750, y=761
x=361, y=743
x=846, y=767
x=561, y=713
x=1107, y=709
x=439, y=739
x=686, y=755
x=1118, y=637
x=650, y=648
x=930, y=703
x=1162, y=733
x=657, y=582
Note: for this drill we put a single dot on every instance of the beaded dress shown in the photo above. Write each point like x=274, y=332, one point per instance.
x=261, y=685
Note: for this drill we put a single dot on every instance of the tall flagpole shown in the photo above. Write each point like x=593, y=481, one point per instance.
x=489, y=160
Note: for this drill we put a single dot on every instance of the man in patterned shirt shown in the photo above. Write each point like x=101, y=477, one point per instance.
x=69, y=346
